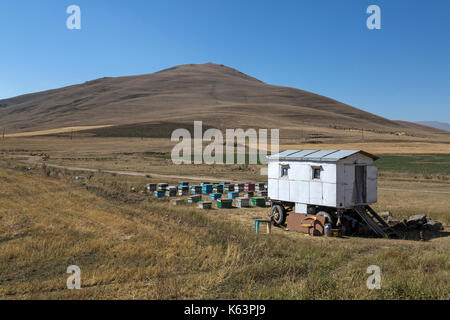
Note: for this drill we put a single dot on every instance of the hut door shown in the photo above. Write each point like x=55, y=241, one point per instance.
x=372, y=177
x=360, y=184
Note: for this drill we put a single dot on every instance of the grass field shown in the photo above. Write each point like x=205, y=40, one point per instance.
x=424, y=164
x=130, y=246
x=146, y=249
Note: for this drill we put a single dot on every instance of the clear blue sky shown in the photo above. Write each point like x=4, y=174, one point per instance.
x=401, y=71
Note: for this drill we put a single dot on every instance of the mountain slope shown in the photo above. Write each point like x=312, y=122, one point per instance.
x=436, y=124
x=213, y=93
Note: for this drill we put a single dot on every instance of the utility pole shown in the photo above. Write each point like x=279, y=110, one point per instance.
x=362, y=134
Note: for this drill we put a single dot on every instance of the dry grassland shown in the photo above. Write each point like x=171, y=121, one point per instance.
x=131, y=246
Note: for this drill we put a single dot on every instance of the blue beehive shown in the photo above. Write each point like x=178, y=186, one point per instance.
x=207, y=188
x=215, y=196
x=159, y=194
x=183, y=184
x=196, y=189
x=233, y=195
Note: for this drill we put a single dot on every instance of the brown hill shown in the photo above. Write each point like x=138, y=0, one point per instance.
x=216, y=94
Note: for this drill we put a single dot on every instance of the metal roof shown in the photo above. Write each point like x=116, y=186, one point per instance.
x=317, y=155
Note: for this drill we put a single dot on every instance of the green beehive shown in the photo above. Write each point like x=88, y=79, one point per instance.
x=258, y=201
x=224, y=203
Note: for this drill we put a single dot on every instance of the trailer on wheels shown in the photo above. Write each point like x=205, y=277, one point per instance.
x=339, y=185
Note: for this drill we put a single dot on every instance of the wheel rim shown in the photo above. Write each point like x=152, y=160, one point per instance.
x=276, y=215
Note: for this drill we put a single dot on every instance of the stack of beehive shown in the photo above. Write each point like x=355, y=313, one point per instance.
x=172, y=191
x=183, y=190
x=196, y=189
x=207, y=188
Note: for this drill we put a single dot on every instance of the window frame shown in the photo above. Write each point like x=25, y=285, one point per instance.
x=313, y=173
x=282, y=168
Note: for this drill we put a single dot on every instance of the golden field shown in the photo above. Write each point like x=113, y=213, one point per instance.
x=131, y=246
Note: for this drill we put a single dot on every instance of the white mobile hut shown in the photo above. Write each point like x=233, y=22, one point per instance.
x=339, y=179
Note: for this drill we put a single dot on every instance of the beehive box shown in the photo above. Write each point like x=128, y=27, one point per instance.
x=258, y=201
x=218, y=189
x=194, y=199
x=233, y=195
x=171, y=193
x=151, y=187
x=249, y=194
x=261, y=193
x=205, y=205
x=183, y=184
x=239, y=187
x=224, y=203
x=249, y=187
x=176, y=202
x=196, y=190
x=215, y=196
x=242, y=202
x=162, y=186
x=159, y=194
x=207, y=188
x=260, y=186
x=224, y=183
x=183, y=191
x=229, y=188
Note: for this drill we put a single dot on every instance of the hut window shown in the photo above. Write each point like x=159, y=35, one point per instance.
x=284, y=171
x=316, y=172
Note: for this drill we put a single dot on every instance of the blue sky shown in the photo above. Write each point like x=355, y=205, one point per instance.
x=401, y=71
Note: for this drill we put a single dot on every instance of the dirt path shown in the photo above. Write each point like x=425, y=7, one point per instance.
x=142, y=174
x=35, y=160
x=205, y=178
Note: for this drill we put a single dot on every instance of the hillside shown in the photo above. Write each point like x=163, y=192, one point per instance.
x=216, y=94
x=436, y=124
